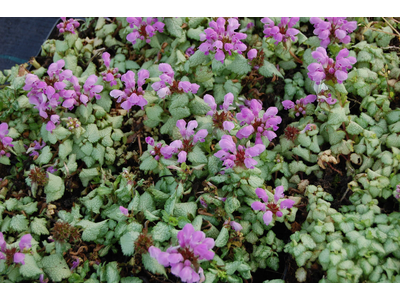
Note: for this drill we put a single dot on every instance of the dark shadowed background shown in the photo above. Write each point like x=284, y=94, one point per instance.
x=21, y=38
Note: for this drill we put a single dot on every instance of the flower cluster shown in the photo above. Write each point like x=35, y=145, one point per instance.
x=145, y=29
x=111, y=74
x=181, y=147
x=73, y=123
x=221, y=118
x=397, y=195
x=184, y=259
x=173, y=86
x=68, y=25
x=283, y=31
x=327, y=69
x=256, y=124
x=274, y=207
x=48, y=94
x=11, y=255
x=5, y=141
x=300, y=106
x=131, y=95
x=239, y=157
x=336, y=29
x=77, y=96
x=222, y=41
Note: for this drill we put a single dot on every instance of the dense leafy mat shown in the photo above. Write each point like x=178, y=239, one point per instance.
x=203, y=150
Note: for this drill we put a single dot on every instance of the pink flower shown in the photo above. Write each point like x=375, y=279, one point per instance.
x=25, y=242
x=252, y=54
x=274, y=207
x=183, y=259
x=124, y=211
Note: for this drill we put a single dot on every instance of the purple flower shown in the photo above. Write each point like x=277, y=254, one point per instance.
x=124, y=211
x=327, y=69
x=189, y=51
x=252, y=54
x=183, y=259
x=143, y=28
x=397, y=195
x=35, y=146
x=75, y=264
x=283, y=31
x=173, y=86
x=5, y=141
x=131, y=95
x=334, y=28
x=12, y=255
x=240, y=157
x=256, y=124
x=19, y=258
x=51, y=169
x=300, y=106
x=187, y=87
x=274, y=207
x=222, y=41
x=68, y=26
x=235, y=226
x=190, y=138
x=221, y=119
x=308, y=127
x=42, y=280
x=25, y=242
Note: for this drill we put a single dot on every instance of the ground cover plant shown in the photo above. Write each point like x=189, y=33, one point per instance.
x=203, y=150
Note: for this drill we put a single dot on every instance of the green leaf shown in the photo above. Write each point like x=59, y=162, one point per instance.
x=30, y=268
x=173, y=26
x=152, y=265
x=239, y=66
x=198, y=107
x=61, y=46
x=93, y=204
x=354, y=128
x=91, y=229
x=198, y=58
x=19, y=223
x=127, y=242
x=273, y=263
x=112, y=273
x=180, y=112
x=170, y=204
x=55, y=267
x=269, y=70
x=255, y=181
x=231, y=87
x=92, y=133
x=45, y=156
x=65, y=149
x=308, y=241
x=146, y=202
x=88, y=174
x=195, y=33
x=222, y=238
x=154, y=112
x=161, y=232
x=185, y=209
x=197, y=156
x=231, y=204
x=337, y=115
x=54, y=188
x=39, y=226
